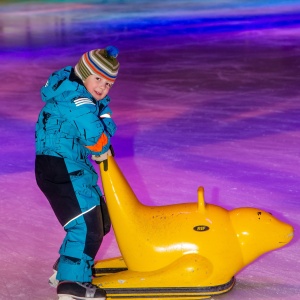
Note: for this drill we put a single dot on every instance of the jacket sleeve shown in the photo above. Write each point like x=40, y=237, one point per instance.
x=108, y=123
x=91, y=130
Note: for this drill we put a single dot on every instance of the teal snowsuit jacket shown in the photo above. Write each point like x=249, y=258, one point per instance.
x=70, y=127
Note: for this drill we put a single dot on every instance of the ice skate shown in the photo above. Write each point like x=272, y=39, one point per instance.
x=52, y=280
x=69, y=290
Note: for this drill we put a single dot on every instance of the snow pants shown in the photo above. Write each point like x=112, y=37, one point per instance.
x=74, y=196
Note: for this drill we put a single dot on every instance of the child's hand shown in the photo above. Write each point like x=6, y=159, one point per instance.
x=103, y=157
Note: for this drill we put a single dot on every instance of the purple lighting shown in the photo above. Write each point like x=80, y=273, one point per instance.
x=207, y=94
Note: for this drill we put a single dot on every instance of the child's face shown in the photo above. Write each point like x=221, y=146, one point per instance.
x=98, y=86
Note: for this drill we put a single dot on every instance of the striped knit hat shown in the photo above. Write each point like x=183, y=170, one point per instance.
x=101, y=62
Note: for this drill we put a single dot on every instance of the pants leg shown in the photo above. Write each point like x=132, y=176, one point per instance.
x=80, y=246
x=84, y=233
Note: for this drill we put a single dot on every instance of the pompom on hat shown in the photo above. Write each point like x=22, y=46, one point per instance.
x=101, y=62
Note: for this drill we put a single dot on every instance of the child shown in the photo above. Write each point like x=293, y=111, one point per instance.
x=75, y=123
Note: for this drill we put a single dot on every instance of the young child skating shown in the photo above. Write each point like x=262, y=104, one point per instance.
x=74, y=124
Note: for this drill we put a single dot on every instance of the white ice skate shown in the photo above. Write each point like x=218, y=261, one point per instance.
x=52, y=280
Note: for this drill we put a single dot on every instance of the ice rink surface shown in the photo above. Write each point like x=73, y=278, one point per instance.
x=207, y=94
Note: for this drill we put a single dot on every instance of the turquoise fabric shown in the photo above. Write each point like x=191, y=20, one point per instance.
x=73, y=246
x=70, y=121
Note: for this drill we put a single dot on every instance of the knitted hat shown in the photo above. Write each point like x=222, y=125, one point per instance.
x=101, y=62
